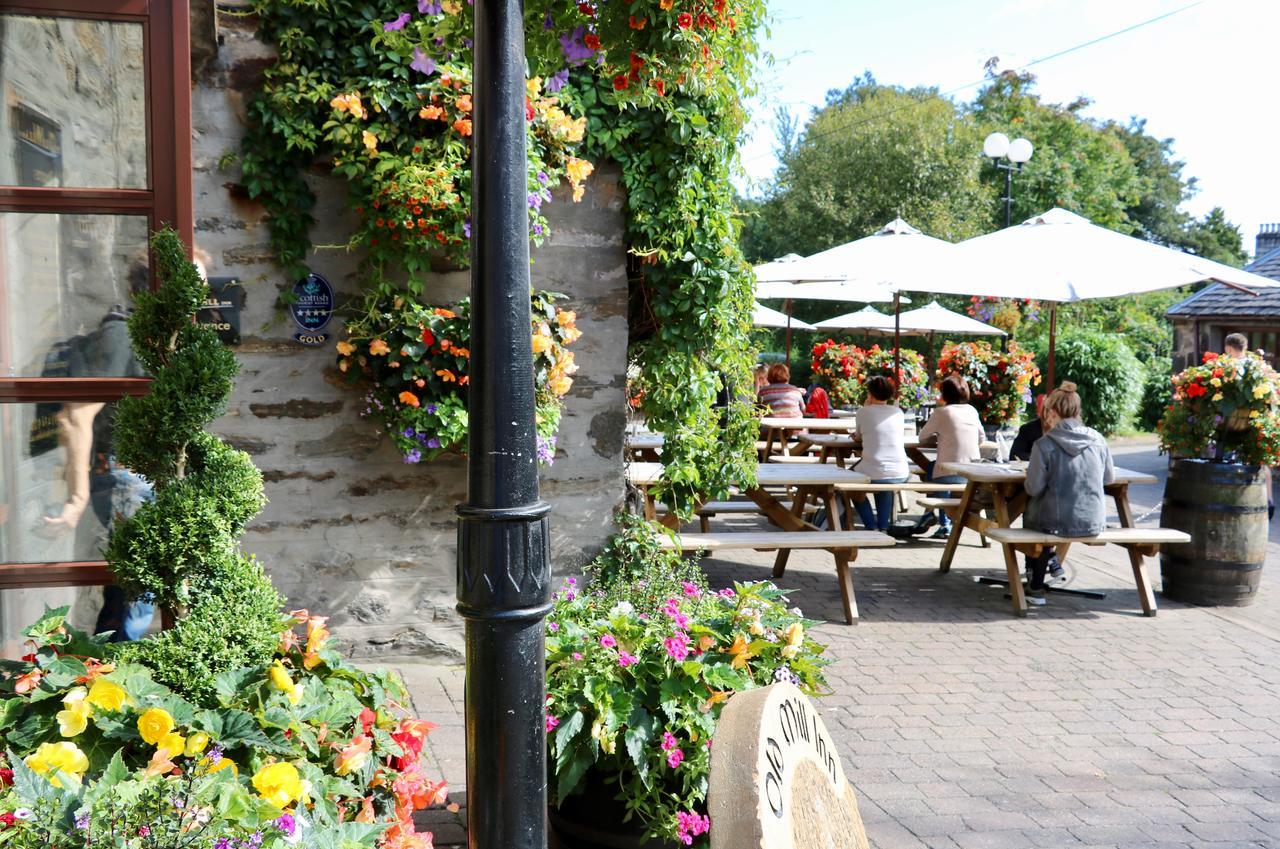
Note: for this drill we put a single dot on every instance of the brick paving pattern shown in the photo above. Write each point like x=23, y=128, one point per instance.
x=962, y=727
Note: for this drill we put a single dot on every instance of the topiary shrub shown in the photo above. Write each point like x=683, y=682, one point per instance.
x=1108, y=375
x=181, y=549
x=1157, y=393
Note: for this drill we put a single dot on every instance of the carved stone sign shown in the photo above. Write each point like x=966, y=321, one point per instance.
x=776, y=780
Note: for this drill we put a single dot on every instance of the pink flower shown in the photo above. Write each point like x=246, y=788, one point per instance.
x=691, y=589
x=726, y=593
x=690, y=825
x=553, y=626
x=675, y=758
x=677, y=647
x=577, y=655
x=669, y=741
x=608, y=641
x=625, y=660
x=573, y=582
x=552, y=722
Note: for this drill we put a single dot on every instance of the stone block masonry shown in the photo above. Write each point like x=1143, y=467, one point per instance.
x=351, y=530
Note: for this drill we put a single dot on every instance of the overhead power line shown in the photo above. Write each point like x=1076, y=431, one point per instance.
x=1091, y=42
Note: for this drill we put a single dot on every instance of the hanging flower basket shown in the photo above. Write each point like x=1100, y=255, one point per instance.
x=414, y=362
x=1000, y=382
x=847, y=368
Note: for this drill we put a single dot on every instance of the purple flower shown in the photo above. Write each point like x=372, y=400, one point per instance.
x=557, y=81
x=287, y=824
x=575, y=52
x=431, y=409
x=413, y=456
x=537, y=229
x=409, y=433
x=430, y=7
x=433, y=442
x=468, y=42
x=546, y=449
x=535, y=201
x=543, y=178
x=422, y=62
x=82, y=822
x=466, y=228
x=547, y=23
x=398, y=23
x=553, y=626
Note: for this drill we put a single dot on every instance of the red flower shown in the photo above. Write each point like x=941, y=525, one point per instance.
x=368, y=717
x=685, y=20
x=636, y=62
x=1209, y=356
x=428, y=338
x=528, y=109
x=591, y=40
x=585, y=8
x=7, y=819
x=660, y=87
x=6, y=778
x=1195, y=390
x=638, y=23
x=620, y=82
x=705, y=21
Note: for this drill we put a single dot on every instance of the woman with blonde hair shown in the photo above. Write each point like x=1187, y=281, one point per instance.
x=1069, y=467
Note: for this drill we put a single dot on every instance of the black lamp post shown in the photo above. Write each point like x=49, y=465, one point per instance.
x=504, y=572
x=1009, y=157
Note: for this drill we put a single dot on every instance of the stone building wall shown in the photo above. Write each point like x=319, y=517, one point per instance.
x=351, y=530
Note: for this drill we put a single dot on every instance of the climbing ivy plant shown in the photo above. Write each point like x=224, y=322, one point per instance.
x=380, y=92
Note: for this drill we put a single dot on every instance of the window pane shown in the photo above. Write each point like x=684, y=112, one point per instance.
x=74, y=107
x=61, y=488
x=65, y=283
x=20, y=608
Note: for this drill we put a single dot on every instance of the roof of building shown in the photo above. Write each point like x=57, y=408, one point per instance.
x=1220, y=300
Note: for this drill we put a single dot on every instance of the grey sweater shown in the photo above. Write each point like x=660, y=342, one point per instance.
x=1068, y=468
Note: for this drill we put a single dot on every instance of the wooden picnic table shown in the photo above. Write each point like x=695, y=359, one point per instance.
x=643, y=446
x=781, y=429
x=1003, y=482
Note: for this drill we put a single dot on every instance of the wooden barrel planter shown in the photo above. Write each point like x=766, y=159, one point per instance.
x=1223, y=506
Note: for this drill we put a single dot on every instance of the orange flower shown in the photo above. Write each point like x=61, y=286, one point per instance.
x=410, y=399
x=431, y=113
x=353, y=756
x=377, y=347
x=28, y=682
x=462, y=126
x=461, y=352
x=444, y=313
x=446, y=375
x=464, y=103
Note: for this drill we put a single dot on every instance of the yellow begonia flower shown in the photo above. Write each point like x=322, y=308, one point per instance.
x=378, y=347
x=541, y=343
x=223, y=763
x=279, y=783
x=65, y=759
x=795, y=639
x=154, y=724
x=1217, y=396
x=370, y=141
x=197, y=743
x=281, y=681
x=107, y=695
x=451, y=7
x=346, y=349
x=1216, y=381
x=74, y=717
x=173, y=743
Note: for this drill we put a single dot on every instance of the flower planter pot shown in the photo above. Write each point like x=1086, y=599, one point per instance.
x=1223, y=506
x=593, y=820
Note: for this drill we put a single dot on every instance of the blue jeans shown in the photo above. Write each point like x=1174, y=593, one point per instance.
x=119, y=493
x=884, y=507
x=943, y=521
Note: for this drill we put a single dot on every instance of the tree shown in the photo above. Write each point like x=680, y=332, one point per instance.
x=871, y=154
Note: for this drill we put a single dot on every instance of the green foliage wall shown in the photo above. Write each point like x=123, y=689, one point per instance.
x=1107, y=374
x=181, y=548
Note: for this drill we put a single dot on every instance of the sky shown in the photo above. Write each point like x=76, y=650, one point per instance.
x=1207, y=76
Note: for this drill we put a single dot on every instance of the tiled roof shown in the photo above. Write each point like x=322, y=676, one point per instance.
x=1220, y=300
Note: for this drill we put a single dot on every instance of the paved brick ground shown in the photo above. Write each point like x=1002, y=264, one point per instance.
x=1085, y=724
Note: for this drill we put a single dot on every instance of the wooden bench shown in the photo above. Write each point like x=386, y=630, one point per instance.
x=843, y=545
x=1139, y=542
x=715, y=508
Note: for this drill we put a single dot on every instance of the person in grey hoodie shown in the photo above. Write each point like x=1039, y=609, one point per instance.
x=1068, y=469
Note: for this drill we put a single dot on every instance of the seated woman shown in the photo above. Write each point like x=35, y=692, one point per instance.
x=783, y=400
x=1068, y=469
x=957, y=431
x=884, y=459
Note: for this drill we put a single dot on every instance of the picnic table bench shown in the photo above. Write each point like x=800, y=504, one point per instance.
x=843, y=546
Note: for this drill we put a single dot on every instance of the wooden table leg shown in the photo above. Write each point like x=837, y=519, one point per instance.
x=832, y=503
x=957, y=526
x=1120, y=492
x=844, y=574
x=1146, y=595
x=1010, y=556
x=796, y=522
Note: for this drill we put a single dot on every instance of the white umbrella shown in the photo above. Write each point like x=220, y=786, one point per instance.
x=762, y=316
x=788, y=269
x=867, y=318
x=935, y=318
x=1059, y=256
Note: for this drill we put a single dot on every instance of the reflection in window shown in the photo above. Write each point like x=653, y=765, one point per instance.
x=74, y=106
x=65, y=285
x=20, y=608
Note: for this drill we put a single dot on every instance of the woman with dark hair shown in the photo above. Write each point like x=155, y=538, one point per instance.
x=884, y=459
x=957, y=431
x=1068, y=469
x=782, y=399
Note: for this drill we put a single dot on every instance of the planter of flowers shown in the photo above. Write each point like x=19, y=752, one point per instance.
x=414, y=361
x=1222, y=431
x=847, y=368
x=639, y=666
x=1000, y=382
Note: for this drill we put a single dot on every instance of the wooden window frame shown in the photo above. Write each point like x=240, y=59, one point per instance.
x=168, y=200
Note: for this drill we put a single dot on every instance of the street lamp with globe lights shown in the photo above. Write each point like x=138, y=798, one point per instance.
x=1008, y=156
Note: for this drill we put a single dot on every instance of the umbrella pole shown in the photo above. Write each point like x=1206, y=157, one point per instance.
x=897, y=339
x=1053, y=339
x=787, y=306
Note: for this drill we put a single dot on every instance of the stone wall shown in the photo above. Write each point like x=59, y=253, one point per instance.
x=351, y=530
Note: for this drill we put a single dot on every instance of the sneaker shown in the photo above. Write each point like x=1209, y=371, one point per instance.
x=1034, y=597
x=940, y=533
x=928, y=520
x=1057, y=571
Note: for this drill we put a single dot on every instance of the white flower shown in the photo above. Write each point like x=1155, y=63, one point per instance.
x=622, y=608
x=22, y=814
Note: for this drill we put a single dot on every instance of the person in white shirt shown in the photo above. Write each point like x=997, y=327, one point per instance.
x=884, y=459
x=957, y=431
